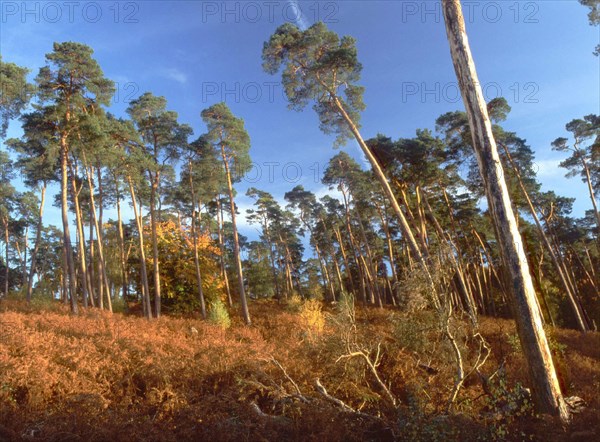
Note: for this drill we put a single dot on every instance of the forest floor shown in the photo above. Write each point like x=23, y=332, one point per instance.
x=97, y=377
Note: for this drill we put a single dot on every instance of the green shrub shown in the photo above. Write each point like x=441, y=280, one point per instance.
x=218, y=314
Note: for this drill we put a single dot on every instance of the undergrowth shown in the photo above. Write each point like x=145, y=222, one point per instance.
x=114, y=377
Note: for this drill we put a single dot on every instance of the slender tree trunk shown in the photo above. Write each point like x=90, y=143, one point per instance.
x=24, y=257
x=338, y=273
x=590, y=186
x=143, y=269
x=271, y=257
x=6, y=243
x=155, y=257
x=575, y=306
x=462, y=286
x=546, y=389
x=388, y=238
x=323, y=264
x=355, y=251
x=36, y=247
x=195, y=242
x=70, y=277
x=103, y=284
x=101, y=262
x=63, y=277
x=236, y=241
x=372, y=271
x=338, y=235
x=406, y=231
x=81, y=243
x=124, y=273
x=222, y=248
x=539, y=278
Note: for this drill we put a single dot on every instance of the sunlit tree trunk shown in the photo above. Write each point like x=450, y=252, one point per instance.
x=6, y=244
x=101, y=262
x=64, y=176
x=143, y=268
x=195, y=243
x=36, y=246
x=236, y=241
x=155, y=256
x=546, y=389
x=222, y=249
x=81, y=243
x=345, y=259
x=124, y=272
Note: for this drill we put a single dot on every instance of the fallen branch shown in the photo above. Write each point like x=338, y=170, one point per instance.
x=345, y=407
x=289, y=378
x=264, y=415
x=373, y=367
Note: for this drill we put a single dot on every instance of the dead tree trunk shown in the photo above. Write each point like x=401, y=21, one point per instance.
x=546, y=389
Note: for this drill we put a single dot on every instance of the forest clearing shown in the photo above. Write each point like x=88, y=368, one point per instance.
x=183, y=259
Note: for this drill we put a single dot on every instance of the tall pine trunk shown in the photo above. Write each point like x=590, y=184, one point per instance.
x=236, y=241
x=195, y=242
x=546, y=389
x=101, y=263
x=36, y=246
x=81, y=243
x=64, y=205
x=222, y=249
x=124, y=273
x=143, y=269
x=155, y=256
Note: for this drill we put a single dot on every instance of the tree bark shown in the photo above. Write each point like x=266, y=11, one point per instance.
x=101, y=262
x=64, y=204
x=155, y=256
x=36, y=246
x=143, y=269
x=546, y=389
x=86, y=289
x=6, y=243
x=222, y=248
x=195, y=242
x=124, y=273
x=236, y=241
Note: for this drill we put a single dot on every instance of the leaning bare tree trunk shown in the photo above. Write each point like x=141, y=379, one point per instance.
x=418, y=254
x=546, y=388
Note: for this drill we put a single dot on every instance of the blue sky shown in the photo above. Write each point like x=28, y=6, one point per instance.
x=538, y=55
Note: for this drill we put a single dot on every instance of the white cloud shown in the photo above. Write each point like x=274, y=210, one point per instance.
x=325, y=190
x=549, y=168
x=174, y=74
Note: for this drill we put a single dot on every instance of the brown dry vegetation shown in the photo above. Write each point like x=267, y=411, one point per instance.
x=113, y=377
